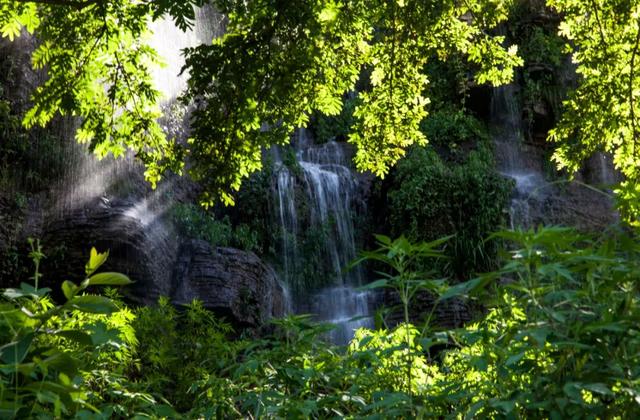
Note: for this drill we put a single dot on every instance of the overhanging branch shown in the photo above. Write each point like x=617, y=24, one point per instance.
x=70, y=3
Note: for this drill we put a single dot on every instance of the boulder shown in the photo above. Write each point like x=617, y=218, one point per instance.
x=233, y=283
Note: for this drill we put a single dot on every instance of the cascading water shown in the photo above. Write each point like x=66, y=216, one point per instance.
x=510, y=155
x=169, y=41
x=89, y=179
x=315, y=194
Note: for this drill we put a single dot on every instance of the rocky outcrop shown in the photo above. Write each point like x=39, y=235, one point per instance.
x=233, y=283
x=139, y=245
x=16, y=74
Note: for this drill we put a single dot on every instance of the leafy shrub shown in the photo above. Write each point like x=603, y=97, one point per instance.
x=193, y=345
x=429, y=199
x=539, y=46
x=194, y=222
x=253, y=209
x=451, y=128
x=53, y=355
x=561, y=338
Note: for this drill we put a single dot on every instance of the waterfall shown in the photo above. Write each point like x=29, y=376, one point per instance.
x=313, y=195
x=169, y=41
x=511, y=158
x=88, y=180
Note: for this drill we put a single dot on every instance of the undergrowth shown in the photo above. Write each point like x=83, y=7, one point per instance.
x=559, y=338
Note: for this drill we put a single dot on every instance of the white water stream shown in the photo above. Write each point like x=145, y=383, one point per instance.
x=320, y=195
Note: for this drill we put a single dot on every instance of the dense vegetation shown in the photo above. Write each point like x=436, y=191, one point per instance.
x=559, y=339
x=555, y=328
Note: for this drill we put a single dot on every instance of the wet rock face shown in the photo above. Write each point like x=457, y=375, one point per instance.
x=17, y=76
x=143, y=251
x=233, y=283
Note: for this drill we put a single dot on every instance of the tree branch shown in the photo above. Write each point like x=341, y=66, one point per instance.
x=70, y=3
x=603, y=37
x=632, y=114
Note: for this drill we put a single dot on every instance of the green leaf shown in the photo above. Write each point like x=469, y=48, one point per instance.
x=25, y=290
x=598, y=388
x=506, y=406
x=374, y=285
x=95, y=261
x=383, y=240
x=540, y=335
x=101, y=334
x=463, y=289
x=78, y=336
x=15, y=352
x=69, y=289
x=109, y=279
x=572, y=390
x=62, y=361
x=514, y=359
x=93, y=304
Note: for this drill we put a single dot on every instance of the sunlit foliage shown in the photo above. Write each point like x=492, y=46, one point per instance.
x=276, y=65
x=559, y=339
x=603, y=112
x=279, y=62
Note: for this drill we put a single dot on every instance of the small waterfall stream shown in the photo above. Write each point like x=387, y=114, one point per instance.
x=315, y=193
x=512, y=161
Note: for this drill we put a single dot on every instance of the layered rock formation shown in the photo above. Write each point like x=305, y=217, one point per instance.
x=230, y=282
x=233, y=283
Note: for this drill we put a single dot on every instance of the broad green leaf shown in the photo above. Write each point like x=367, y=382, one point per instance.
x=109, y=279
x=25, y=290
x=598, y=388
x=69, y=289
x=514, y=359
x=93, y=304
x=374, y=285
x=463, y=289
x=101, y=334
x=95, y=261
x=572, y=390
x=506, y=406
x=78, y=336
x=16, y=351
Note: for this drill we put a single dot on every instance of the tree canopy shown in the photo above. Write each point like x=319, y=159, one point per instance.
x=280, y=61
x=602, y=113
x=277, y=63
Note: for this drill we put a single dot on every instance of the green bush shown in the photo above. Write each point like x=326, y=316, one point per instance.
x=451, y=129
x=194, y=222
x=337, y=127
x=254, y=209
x=67, y=360
x=430, y=198
x=560, y=338
x=192, y=347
